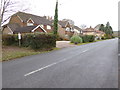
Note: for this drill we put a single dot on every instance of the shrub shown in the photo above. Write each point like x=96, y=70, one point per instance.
x=107, y=36
x=39, y=41
x=103, y=38
x=76, y=39
x=34, y=41
x=8, y=39
x=88, y=38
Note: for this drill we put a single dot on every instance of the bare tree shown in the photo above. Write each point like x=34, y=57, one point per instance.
x=7, y=8
x=83, y=26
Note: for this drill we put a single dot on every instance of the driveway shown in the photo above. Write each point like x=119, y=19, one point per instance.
x=63, y=44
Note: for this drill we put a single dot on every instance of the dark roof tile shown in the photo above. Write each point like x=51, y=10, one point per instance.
x=26, y=29
x=35, y=18
x=13, y=26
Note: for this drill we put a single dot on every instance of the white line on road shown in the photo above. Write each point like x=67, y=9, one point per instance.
x=50, y=65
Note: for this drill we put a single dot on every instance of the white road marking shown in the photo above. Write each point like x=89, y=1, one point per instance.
x=50, y=65
x=40, y=69
x=85, y=51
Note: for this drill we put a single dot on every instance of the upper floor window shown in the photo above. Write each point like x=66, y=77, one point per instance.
x=48, y=27
x=67, y=29
x=29, y=24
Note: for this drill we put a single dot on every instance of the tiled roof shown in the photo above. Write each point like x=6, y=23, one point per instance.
x=97, y=27
x=89, y=29
x=26, y=29
x=13, y=26
x=97, y=31
x=76, y=27
x=35, y=18
x=63, y=23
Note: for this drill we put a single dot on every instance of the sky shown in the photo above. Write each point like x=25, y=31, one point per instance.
x=88, y=12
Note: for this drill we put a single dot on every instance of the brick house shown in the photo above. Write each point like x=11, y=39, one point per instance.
x=77, y=30
x=30, y=22
x=93, y=31
x=65, y=29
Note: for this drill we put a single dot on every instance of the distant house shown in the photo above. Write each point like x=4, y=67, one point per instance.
x=89, y=31
x=28, y=22
x=65, y=29
x=93, y=31
x=77, y=30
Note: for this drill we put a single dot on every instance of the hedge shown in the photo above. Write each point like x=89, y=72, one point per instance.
x=9, y=39
x=88, y=38
x=34, y=41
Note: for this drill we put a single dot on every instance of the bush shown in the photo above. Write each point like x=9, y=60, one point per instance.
x=34, y=41
x=76, y=39
x=39, y=41
x=8, y=39
x=88, y=38
x=103, y=38
x=108, y=36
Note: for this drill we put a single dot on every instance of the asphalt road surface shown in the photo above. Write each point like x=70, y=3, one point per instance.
x=93, y=65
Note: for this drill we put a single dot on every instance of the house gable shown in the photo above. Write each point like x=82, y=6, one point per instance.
x=7, y=30
x=39, y=28
x=16, y=19
x=30, y=20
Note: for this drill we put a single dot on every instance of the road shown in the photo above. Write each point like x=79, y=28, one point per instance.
x=93, y=65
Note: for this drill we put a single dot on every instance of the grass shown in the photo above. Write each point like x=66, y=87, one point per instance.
x=13, y=52
x=87, y=42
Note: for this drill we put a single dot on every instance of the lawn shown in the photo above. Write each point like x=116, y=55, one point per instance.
x=13, y=52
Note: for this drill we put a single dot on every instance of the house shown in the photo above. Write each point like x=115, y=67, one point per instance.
x=93, y=31
x=65, y=29
x=77, y=30
x=89, y=31
x=22, y=20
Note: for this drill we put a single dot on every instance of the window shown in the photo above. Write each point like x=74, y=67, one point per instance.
x=29, y=24
x=67, y=29
x=48, y=27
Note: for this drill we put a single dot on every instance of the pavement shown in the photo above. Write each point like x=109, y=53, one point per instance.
x=64, y=44
x=94, y=65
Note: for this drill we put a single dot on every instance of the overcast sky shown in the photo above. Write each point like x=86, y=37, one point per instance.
x=88, y=12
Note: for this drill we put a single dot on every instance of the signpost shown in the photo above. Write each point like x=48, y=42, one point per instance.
x=19, y=37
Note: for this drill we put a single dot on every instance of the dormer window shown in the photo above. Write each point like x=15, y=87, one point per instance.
x=67, y=29
x=30, y=22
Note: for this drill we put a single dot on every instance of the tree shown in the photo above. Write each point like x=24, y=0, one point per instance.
x=107, y=29
x=56, y=19
x=102, y=27
x=8, y=7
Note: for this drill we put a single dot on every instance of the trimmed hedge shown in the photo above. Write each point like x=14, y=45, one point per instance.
x=76, y=39
x=88, y=38
x=39, y=41
x=9, y=40
x=34, y=41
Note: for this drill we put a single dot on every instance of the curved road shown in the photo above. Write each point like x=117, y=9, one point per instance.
x=93, y=65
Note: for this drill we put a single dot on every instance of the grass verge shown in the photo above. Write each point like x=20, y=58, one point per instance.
x=87, y=42
x=13, y=52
